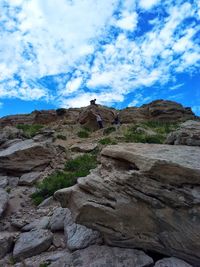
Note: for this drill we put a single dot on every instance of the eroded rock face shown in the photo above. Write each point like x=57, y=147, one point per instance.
x=159, y=110
x=6, y=243
x=187, y=134
x=25, y=156
x=143, y=196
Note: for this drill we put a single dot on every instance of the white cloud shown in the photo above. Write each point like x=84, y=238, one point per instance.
x=175, y=87
x=196, y=109
x=128, y=21
x=76, y=38
x=148, y=4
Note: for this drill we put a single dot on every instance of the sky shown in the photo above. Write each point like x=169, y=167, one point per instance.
x=63, y=53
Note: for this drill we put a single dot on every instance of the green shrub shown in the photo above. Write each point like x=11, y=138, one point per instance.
x=144, y=138
x=30, y=130
x=83, y=134
x=161, y=127
x=107, y=141
x=109, y=130
x=62, y=137
x=78, y=167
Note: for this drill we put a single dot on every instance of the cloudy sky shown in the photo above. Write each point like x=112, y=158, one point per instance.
x=62, y=53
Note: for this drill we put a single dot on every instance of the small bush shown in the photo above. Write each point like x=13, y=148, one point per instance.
x=30, y=130
x=62, y=137
x=78, y=167
x=109, y=130
x=107, y=141
x=83, y=134
x=143, y=138
x=161, y=127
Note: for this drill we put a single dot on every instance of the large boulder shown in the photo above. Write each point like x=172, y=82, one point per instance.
x=88, y=119
x=159, y=110
x=142, y=196
x=26, y=156
x=104, y=256
x=9, y=132
x=32, y=243
x=187, y=134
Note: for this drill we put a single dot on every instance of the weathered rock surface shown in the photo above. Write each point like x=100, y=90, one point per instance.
x=9, y=132
x=88, y=119
x=3, y=181
x=29, y=178
x=143, y=196
x=104, y=256
x=41, y=223
x=172, y=262
x=159, y=110
x=79, y=236
x=6, y=243
x=4, y=197
x=83, y=147
x=32, y=243
x=26, y=156
x=57, y=220
x=187, y=134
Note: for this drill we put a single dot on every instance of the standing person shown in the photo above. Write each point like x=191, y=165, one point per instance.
x=116, y=121
x=99, y=120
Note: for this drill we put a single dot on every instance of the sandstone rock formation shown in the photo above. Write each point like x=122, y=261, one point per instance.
x=26, y=156
x=6, y=243
x=4, y=197
x=142, y=196
x=187, y=134
x=159, y=110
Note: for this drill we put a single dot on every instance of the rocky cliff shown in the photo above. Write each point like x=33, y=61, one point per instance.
x=159, y=110
x=143, y=196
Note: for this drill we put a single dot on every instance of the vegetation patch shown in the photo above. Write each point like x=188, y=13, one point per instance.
x=144, y=138
x=83, y=134
x=30, y=130
x=109, y=130
x=161, y=127
x=107, y=141
x=78, y=167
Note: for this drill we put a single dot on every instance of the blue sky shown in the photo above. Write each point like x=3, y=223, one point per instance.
x=121, y=52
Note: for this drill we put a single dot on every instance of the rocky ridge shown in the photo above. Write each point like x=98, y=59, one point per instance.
x=130, y=178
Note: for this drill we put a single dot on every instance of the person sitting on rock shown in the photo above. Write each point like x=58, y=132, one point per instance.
x=99, y=120
x=93, y=102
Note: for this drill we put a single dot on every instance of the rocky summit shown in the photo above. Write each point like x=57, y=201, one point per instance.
x=125, y=195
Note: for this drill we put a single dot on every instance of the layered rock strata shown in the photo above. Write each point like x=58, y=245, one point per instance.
x=143, y=196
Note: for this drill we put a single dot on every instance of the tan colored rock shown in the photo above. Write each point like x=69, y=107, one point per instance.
x=187, y=134
x=84, y=147
x=142, y=196
x=26, y=156
x=159, y=110
x=88, y=119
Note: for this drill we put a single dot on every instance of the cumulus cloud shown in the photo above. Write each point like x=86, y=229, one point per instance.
x=100, y=45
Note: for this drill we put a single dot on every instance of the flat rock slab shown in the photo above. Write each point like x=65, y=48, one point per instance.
x=83, y=147
x=41, y=223
x=4, y=197
x=25, y=156
x=29, y=178
x=172, y=262
x=104, y=256
x=32, y=243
